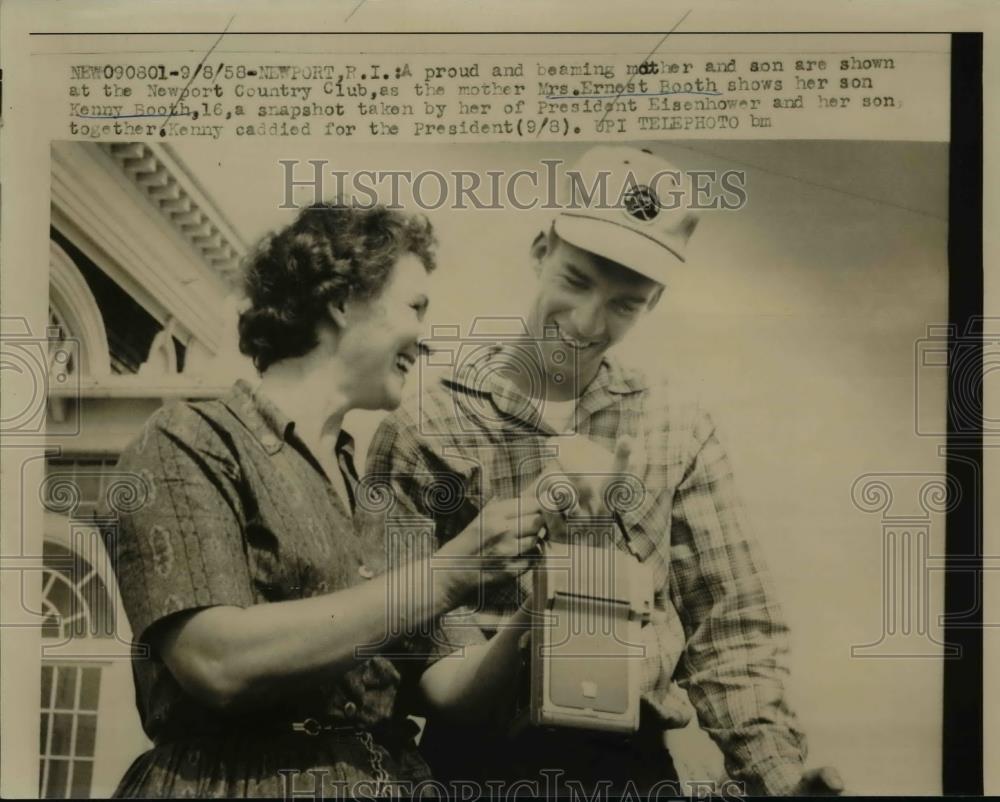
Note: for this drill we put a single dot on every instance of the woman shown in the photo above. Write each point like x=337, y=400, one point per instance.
x=241, y=571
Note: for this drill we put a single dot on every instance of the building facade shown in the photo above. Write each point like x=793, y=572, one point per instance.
x=142, y=308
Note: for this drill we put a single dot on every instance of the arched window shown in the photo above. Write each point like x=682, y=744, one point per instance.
x=74, y=313
x=76, y=604
x=75, y=601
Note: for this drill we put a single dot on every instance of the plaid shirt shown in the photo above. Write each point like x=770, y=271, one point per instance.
x=716, y=630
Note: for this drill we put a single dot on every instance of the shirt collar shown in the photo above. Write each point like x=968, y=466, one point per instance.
x=612, y=379
x=267, y=423
x=621, y=379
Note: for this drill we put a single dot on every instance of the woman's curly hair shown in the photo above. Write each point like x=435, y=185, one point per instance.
x=332, y=253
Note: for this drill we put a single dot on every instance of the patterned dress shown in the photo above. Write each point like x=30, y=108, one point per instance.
x=232, y=509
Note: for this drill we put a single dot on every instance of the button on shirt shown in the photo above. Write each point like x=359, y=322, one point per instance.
x=717, y=632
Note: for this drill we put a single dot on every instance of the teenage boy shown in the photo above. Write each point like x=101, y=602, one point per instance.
x=490, y=429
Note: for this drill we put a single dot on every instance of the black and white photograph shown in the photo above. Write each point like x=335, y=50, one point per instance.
x=752, y=368
x=470, y=465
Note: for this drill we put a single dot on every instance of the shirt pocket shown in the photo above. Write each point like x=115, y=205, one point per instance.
x=646, y=518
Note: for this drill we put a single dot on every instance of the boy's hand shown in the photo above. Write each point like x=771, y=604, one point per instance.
x=579, y=480
x=820, y=782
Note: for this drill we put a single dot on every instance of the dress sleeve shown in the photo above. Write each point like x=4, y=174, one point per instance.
x=180, y=546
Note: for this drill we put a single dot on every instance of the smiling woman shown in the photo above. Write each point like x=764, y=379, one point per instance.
x=331, y=253
x=266, y=613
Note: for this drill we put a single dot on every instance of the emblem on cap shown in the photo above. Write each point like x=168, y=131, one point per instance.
x=641, y=203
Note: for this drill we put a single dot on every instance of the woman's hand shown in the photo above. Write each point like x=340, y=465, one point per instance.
x=502, y=542
x=481, y=685
x=235, y=658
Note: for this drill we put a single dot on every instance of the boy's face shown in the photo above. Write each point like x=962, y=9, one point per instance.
x=590, y=303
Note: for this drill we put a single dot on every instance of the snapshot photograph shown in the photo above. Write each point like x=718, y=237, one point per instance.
x=495, y=470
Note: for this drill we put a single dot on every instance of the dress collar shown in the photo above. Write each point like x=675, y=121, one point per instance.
x=271, y=427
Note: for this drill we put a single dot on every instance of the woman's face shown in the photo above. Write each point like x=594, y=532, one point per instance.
x=378, y=344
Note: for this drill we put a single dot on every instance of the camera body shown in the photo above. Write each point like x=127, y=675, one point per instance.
x=584, y=649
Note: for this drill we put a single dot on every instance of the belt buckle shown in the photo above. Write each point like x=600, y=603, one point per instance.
x=309, y=726
x=313, y=727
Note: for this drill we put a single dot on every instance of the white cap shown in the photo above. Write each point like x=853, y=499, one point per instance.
x=642, y=221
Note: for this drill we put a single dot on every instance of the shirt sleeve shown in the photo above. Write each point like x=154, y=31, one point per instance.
x=180, y=545
x=735, y=659
x=418, y=495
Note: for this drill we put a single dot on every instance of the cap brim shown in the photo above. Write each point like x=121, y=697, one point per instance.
x=644, y=254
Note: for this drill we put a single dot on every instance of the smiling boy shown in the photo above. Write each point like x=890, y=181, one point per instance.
x=716, y=631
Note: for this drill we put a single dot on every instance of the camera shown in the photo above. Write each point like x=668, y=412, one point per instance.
x=589, y=600
x=584, y=649
x=465, y=360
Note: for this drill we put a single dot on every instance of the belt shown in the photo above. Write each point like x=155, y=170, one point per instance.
x=314, y=727
x=391, y=730
x=394, y=734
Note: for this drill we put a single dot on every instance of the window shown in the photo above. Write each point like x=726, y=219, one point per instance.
x=90, y=730
x=69, y=704
x=128, y=327
x=76, y=604
x=75, y=600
